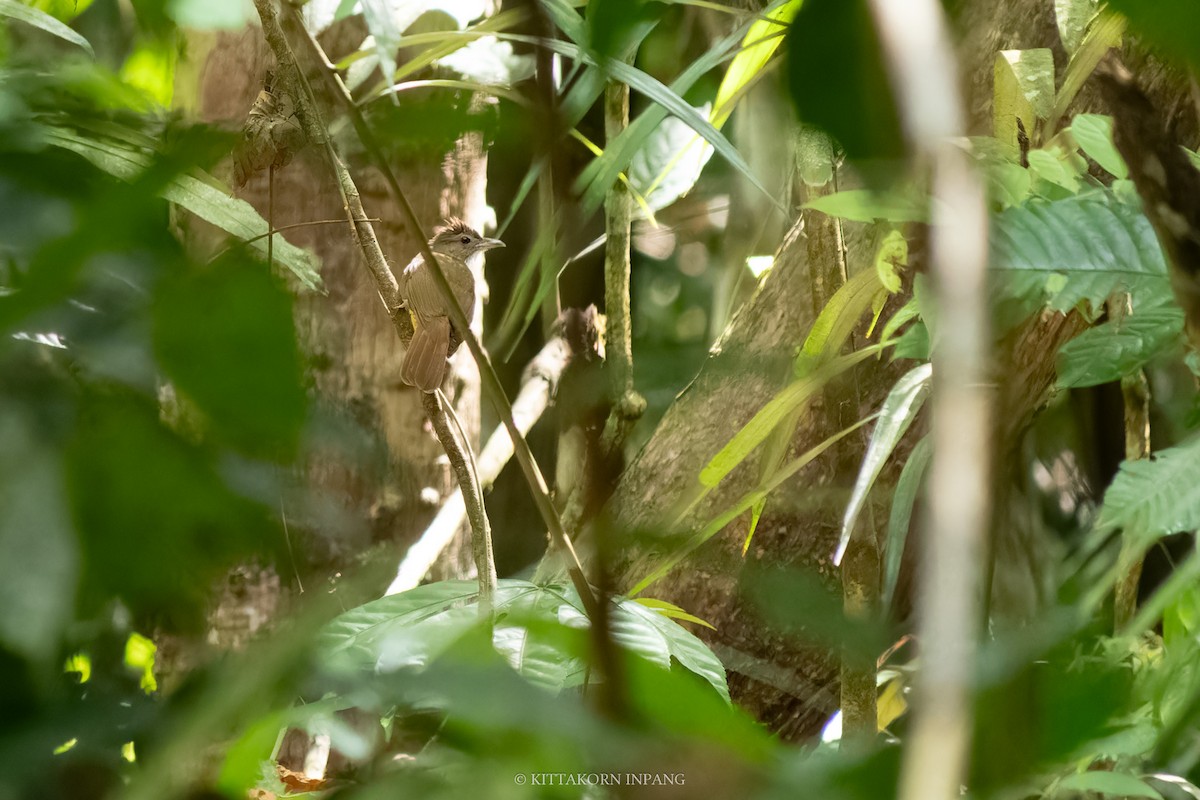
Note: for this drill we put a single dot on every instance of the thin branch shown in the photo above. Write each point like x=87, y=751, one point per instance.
x=925, y=79
x=1135, y=392
x=628, y=405
x=468, y=485
x=490, y=381
x=544, y=372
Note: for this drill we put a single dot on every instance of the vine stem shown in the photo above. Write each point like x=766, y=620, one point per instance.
x=628, y=405
x=924, y=77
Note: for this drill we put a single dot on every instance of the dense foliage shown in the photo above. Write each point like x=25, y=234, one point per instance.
x=155, y=406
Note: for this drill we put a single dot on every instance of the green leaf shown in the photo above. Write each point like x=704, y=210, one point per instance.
x=669, y=162
x=906, y=313
x=762, y=424
x=381, y=22
x=158, y=523
x=896, y=415
x=39, y=558
x=211, y=14
x=198, y=195
x=411, y=629
x=1181, y=619
x=837, y=321
x=1078, y=249
x=683, y=646
x=908, y=486
x=1023, y=90
x=225, y=336
x=760, y=43
x=864, y=205
x=890, y=260
x=1117, y=348
x=1172, y=26
x=45, y=22
x=671, y=102
x=616, y=28
x=1056, y=166
x=837, y=78
x=596, y=178
x=1103, y=34
x=1115, y=784
x=1073, y=17
x=673, y=611
x=1094, y=135
x=1150, y=498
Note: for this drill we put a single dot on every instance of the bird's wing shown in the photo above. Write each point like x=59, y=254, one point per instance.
x=420, y=293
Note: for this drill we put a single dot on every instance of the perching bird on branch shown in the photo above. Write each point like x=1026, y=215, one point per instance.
x=459, y=248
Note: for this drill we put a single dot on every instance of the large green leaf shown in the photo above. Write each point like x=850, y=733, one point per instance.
x=1112, y=784
x=899, y=410
x=762, y=424
x=599, y=175
x=158, y=521
x=1078, y=249
x=43, y=21
x=760, y=43
x=903, y=501
x=1073, y=17
x=198, y=195
x=1169, y=25
x=865, y=205
x=669, y=163
x=1118, y=348
x=225, y=336
x=413, y=628
x=1153, y=497
x=670, y=101
x=1094, y=135
x=39, y=559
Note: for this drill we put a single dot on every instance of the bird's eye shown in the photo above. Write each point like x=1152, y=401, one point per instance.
x=466, y=240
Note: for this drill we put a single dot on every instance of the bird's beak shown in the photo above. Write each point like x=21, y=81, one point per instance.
x=490, y=244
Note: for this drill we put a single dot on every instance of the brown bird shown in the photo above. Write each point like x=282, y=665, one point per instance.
x=458, y=248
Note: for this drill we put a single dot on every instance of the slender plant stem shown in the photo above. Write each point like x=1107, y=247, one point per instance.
x=925, y=79
x=468, y=484
x=537, y=390
x=1135, y=392
x=628, y=405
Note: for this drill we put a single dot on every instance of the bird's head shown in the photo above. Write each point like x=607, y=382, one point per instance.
x=458, y=240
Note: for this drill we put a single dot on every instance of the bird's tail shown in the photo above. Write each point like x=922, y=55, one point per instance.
x=425, y=362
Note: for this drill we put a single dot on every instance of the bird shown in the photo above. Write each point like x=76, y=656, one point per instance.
x=459, y=248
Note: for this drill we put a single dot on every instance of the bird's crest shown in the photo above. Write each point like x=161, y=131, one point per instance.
x=453, y=227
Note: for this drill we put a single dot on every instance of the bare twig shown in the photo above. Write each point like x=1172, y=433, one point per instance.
x=468, y=485
x=924, y=75
x=544, y=372
x=274, y=230
x=490, y=381
x=1135, y=392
